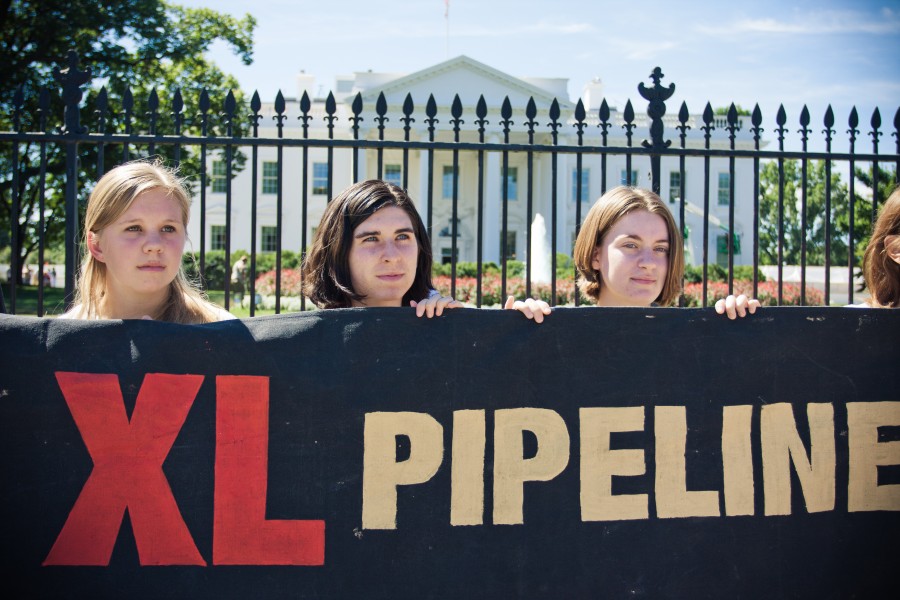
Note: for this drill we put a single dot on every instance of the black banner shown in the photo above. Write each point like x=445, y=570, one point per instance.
x=367, y=453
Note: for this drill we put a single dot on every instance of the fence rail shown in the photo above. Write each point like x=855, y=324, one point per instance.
x=59, y=162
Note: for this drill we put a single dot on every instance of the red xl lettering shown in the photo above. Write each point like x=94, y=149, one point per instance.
x=241, y=533
x=128, y=458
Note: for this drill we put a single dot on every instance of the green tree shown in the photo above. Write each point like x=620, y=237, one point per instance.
x=723, y=110
x=135, y=46
x=816, y=217
x=887, y=182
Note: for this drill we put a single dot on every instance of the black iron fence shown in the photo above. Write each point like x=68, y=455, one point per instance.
x=49, y=165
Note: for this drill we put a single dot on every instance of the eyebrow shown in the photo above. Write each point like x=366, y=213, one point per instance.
x=141, y=221
x=637, y=237
x=363, y=234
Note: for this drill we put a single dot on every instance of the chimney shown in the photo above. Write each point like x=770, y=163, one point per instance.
x=592, y=94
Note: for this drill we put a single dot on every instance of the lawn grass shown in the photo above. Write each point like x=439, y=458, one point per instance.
x=241, y=312
x=27, y=300
x=55, y=302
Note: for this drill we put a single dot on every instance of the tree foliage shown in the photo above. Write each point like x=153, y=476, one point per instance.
x=887, y=182
x=132, y=47
x=816, y=216
x=723, y=110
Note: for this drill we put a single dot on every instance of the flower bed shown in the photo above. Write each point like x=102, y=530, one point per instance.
x=290, y=283
x=767, y=293
x=492, y=295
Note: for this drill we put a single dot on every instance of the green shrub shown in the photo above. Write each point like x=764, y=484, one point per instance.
x=464, y=269
x=214, y=272
x=438, y=269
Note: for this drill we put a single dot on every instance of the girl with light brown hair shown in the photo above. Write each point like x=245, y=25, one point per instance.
x=881, y=262
x=629, y=252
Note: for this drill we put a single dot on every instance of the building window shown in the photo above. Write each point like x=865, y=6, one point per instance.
x=217, y=237
x=320, y=178
x=722, y=249
x=217, y=177
x=585, y=184
x=724, y=184
x=270, y=178
x=447, y=182
x=674, y=186
x=393, y=174
x=268, y=239
x=509, y=251
x=447, y=255
x=623, y=180
x=512, y=183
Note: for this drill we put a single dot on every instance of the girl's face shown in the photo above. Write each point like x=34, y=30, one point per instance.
x=383, y=257
x=142, y=249
x=633, y=260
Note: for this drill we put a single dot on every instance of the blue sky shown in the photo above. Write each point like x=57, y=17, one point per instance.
x=769, y=52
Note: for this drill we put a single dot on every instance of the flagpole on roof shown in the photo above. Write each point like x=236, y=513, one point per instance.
x=447, y=24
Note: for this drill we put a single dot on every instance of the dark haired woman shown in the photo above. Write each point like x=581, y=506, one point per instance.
x=371, y=249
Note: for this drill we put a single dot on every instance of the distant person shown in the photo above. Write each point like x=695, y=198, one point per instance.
x=239, y=279
x=881, y=262
x=135, y=231
x=371, y=249
x=629, y=252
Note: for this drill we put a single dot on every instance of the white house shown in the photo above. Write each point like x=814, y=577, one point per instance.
x=471, y=79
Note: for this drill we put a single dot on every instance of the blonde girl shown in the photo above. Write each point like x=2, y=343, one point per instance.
x=134, y=236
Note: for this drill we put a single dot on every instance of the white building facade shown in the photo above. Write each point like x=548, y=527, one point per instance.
x=470, y=80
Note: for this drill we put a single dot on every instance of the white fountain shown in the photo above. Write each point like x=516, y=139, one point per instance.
x=540, y=251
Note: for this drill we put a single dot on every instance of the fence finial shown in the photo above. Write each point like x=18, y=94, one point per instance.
x=657, y=96
x=71, y=80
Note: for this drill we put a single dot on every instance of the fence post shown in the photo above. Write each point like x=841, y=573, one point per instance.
x=71, y=80
x=657, y=96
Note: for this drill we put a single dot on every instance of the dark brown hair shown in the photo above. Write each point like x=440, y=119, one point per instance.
x=326, y=270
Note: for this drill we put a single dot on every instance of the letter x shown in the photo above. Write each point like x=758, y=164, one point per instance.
x=128, y=458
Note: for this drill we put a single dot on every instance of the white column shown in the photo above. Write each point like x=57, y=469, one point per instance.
x=563, y=202
x=543, y=202
x=422, y=199
x=492, y=193
x=363, y=172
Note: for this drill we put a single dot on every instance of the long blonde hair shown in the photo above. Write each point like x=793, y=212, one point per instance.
x=112, y=196
x=604, y=214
